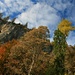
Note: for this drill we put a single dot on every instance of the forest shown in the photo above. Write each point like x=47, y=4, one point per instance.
x=34, y=54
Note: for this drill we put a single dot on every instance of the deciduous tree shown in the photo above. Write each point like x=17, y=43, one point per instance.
x=59, y=51
x=65, y=26
x=28, y=57
x=35, y=41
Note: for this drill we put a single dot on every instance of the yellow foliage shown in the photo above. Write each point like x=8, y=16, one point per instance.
x=65, y=26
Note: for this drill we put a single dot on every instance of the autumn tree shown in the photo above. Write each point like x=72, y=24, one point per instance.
x=70, y=60
x=28, y=57
x=60, y=34
x=59, y=51
x=35, y=41
x=4, y=54
x=65, y=27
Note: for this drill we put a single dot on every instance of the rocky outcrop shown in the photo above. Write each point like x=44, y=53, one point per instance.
x=9, y=31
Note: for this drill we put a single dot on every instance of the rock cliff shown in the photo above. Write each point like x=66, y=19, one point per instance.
x=10, y=30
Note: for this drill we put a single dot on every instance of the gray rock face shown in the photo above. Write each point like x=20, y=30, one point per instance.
x=9, y=31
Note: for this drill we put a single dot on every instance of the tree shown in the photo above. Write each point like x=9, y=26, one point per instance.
x=60, y=34
x=65, y=27
x=4, y=54
x=59, y=51
x=35, y=40
x=28, y=57
x=70, y=60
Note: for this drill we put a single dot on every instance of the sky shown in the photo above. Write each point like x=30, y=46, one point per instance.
x=41, y=12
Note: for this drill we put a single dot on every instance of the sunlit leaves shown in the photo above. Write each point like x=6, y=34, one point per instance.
x=65, y=26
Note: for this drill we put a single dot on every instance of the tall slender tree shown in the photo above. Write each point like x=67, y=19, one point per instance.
x=60, y=34
x=59, y=51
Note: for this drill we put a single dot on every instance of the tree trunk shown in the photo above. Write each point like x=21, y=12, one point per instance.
x=31, y=66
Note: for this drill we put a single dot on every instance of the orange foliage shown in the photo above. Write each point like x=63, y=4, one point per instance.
x=6, y=46
x=9, y=44
x=2, y=51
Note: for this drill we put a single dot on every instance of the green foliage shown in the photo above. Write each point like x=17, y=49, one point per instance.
x=59, y=43
x=59, y=67
x=59, y=51
x=50, y=70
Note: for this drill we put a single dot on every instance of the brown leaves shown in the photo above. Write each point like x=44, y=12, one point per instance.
x=70, y=59
x=6, y=47
x=27, y=50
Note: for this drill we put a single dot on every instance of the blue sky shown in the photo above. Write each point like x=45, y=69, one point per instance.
x=41, y=12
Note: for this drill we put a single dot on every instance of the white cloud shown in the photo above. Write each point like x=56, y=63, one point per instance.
x=39, y=14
